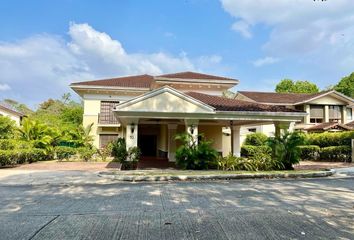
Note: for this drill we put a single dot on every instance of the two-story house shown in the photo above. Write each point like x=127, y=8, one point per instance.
x=148, y=111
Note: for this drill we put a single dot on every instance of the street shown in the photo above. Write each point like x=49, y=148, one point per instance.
x=244, y=209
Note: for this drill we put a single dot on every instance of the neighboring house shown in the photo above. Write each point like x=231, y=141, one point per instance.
x=150, y=110
x=9, y=111
x=324, y=109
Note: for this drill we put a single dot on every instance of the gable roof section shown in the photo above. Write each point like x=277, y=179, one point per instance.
x=289, y=98
x=10, y=109
x=138, y=81
x=328, y=126
x=160, y=104
x=194, y=75
x=350, y=124
x=227, y=104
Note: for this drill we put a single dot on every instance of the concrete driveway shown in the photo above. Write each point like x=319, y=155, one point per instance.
x=247, y=209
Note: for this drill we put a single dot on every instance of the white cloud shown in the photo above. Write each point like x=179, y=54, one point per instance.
x=43, y=66
x=265, y=61
x=314, y=32
x=243, y=28
x=4, y=87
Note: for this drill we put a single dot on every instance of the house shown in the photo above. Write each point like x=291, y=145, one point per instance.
x=323, y=109
x=9, y=111
x=150, y=110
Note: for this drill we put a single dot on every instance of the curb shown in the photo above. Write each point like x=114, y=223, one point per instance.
x=161, y=178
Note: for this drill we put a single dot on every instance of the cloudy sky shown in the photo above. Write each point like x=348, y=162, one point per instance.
x=46, y=45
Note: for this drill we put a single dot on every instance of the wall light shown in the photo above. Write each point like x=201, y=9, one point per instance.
x=132, y=128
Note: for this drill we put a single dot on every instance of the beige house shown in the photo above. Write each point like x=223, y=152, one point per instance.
x=326, y=111
x=8, y=111
x=150, y=110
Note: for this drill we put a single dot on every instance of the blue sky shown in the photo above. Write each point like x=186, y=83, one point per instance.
x=45, y=45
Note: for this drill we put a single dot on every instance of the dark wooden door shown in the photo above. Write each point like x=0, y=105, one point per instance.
x=148, y=145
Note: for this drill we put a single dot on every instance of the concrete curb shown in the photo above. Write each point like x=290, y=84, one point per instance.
x=161, y=178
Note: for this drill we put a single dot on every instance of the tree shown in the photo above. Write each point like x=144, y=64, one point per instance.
x=7, y=127
x=19, y=106
x=346, y=85
x=289, y=86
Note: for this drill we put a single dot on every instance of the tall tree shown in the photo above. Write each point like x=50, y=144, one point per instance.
x=290, y=86
x=346, y=85
x=7, y=127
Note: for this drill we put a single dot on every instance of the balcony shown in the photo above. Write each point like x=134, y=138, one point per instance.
x=107, y=120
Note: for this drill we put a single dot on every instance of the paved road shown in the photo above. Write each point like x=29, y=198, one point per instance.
x=248, y=209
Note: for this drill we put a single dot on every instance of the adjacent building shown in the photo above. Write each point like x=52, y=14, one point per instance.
x=13, y=114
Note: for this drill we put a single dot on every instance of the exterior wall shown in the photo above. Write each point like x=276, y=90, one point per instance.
x=162, y=143
x=12, y=116
x=267, y=129
x=328, y=100
x=214, y=134
x=226, y=142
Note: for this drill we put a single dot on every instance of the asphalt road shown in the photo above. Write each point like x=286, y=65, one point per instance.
x=248, y=209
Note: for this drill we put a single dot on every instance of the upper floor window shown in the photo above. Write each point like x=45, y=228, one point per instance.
x=349, y=114
x=335, y=113
x=316, y=114
x=106, y=114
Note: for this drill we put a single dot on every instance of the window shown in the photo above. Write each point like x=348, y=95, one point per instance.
x=316, y=114
x=106, y=114
x=349, y=114
x=335, y=113
x=252, y=130
x=106, y=139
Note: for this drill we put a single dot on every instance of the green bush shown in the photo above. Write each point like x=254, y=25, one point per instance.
x=19, y=156
x=328, y=139
x=309, y=152
x=233, y=163
x=10, y=144
x=249, y=150
x=63, y=152
x=336, y=153
x=193, y=155
x=119, y=150
x=86, y=153
x=105, y=152
x=256, y=139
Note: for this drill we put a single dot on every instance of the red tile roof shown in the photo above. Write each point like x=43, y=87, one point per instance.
x=227, y=104
x=350, y=124
x=280, y=98
x=194, y=75
x=327, y=126
x=138, y=81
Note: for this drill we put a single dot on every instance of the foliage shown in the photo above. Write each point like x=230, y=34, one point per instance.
x=119, y=150
x=7, y=127
x=256, y=139
x=336, y=153
x=81, y=135
x=86, y=153
x=18, y=106
x=19, y=156
x=249, y=150
x=309, y=152
x=134, y=154
x=63, y=152
x=233, y=163
x=10, y=144
x=195, y=155
x=106, y=152
x=346, y=85
x=289, y=86
x=228, y=94
x=285, y=148
x=327, y=139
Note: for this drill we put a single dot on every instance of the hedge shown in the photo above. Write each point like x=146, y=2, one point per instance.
x=328, y=139
x=63, y=152
x=19, y=156
x=336, y=153
x=256, y=139
x=249, y=150
x=10, y=144
x=309, y=152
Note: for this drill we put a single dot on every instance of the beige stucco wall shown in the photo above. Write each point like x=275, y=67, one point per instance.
x=162, y=138
x=212, y=133
x=328, y=100
x=164, y=102
x=12, y=116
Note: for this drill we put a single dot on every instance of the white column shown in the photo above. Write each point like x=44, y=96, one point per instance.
x=281, y=127
x=307, y=117
x=326, y=113
x=236, y=140
x=344, y=115
x=172, y=129
x=131, y=136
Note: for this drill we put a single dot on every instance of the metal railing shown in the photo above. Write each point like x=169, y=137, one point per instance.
x=107, y=119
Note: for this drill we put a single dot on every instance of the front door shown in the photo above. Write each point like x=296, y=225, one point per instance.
x=147, y=145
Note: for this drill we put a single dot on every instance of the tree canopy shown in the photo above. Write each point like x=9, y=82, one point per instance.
x=346, y=86
x=290, y=86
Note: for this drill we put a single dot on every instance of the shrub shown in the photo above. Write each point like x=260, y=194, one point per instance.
x=264, y=162
x=19, y=156
x=285, y=148
x=328, y=139
x=336, y=153
x=62, y=152
x=7, y=158
x=86, y=153
x=233, y=163
x=105, y=152
x=249, y=150
x=119, y=150
x=10, y=144
x=309, y=152
x=193, y=155
x=256, y=139
x=7, y=127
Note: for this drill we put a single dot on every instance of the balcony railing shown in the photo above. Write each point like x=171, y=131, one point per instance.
x=108, y=119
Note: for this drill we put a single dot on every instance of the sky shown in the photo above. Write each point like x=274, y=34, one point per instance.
x=46, y=45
